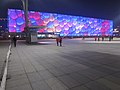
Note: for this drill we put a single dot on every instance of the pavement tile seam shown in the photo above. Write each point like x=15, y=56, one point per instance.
x=23, y=87
x=96, y=86
x=97, y=78
x=36, y=69
x=43, y=85
x=24, y=69
x=79, y=86
x=56, y=74
x=110, y=73
x=16, y=83
x=84, y=61
x=29, y=59
x=16, y=77
x=77, y=83
x=109, y=84
x=109, y=79
x=50, y=72
x=91, y=80
x=52, y=82
x=104, y=77
x=81, y=74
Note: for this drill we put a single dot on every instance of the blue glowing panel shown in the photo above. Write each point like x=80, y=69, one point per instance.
x=66, y=25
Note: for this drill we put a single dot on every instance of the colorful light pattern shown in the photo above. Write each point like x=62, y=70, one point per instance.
x=66, y=25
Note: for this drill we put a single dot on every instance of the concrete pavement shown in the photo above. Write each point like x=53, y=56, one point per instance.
x=74, y=66
x=4, y=46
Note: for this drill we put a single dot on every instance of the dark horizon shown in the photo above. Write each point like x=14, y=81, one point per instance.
x=102, y=9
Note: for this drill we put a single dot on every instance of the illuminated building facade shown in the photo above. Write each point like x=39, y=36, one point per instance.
x=65, y=25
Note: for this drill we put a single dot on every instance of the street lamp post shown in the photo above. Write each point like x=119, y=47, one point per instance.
x=26, y=28
x=30, y=36
x=25, y=8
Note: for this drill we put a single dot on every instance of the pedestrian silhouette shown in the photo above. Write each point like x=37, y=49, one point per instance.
x=95, y=38
x=14, y=41
x=59, y=41
x=110, y=38
x=102, y=38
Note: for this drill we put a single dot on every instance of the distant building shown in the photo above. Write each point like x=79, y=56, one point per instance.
x=116, y=31
x=65, y=25
x=3, y=28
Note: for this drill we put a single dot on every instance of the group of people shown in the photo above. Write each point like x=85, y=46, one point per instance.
x=110, y=38
x=58, y=40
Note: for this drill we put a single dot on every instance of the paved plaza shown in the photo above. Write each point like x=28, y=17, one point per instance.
x=74, y=66
x=3, y=53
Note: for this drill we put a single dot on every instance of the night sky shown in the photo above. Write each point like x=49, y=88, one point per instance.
x=104, y=9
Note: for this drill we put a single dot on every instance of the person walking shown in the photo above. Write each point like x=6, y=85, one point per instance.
x=57, y=41
x=102, y=38
x=14, y=41
x=95, y=38
x=60, y=40
x=109, y=38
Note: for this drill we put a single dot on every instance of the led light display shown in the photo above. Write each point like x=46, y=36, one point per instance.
x=65, y=25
